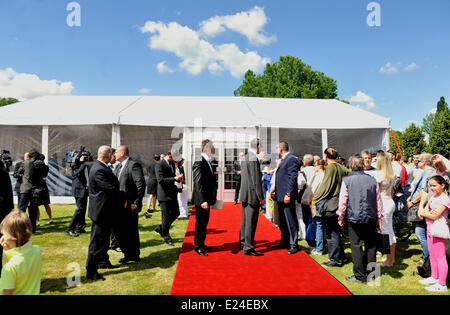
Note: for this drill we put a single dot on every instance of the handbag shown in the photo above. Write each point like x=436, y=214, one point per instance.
x=39, y=195
x=332, y=207
x=383, y=243
x=440, y=229
x=412, y=214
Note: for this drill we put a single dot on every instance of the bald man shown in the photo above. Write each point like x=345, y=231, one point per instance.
x=132, y=191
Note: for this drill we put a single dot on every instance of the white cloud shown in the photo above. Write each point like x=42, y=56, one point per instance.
x=24, y=86
x=389, y=69
x=248, y=23
x=144, y=91
x=198, y=54
x=363, y=98
x=433, y=111
x=411, y=67
x=163, y=68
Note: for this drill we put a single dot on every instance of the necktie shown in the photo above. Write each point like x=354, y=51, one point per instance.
x=118, y=169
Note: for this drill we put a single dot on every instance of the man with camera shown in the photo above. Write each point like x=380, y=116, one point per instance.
x=80, y=179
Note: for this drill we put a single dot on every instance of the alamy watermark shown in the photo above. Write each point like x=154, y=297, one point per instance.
x=74, y=17
x=74, y=277
x=374, y=17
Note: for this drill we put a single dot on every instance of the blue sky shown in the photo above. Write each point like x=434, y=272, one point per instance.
x=398, y=70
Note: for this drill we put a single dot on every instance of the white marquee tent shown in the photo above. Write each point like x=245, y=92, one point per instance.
x=155, y=124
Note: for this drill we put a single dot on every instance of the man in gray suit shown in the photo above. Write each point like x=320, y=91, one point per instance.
x=252, y=198
x=132, y=190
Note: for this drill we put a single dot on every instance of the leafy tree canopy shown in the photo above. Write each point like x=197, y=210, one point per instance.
x=7, y=101
x=288, y=78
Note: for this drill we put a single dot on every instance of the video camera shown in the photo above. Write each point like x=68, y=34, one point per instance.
x=5, y=158
x=73, y=159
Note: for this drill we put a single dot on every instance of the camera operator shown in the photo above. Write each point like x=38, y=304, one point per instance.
x=80, y=179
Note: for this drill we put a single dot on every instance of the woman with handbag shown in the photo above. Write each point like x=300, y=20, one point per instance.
x=436, y=214
x=418, y=190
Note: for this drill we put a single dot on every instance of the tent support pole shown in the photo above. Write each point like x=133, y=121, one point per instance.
x=387, y=140
x=45, y=142
x=324, y=140
x=115, y=137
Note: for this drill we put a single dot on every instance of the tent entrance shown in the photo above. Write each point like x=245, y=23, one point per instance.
x=222, y=161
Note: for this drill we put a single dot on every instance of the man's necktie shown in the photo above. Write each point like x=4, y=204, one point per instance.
x=118, y=168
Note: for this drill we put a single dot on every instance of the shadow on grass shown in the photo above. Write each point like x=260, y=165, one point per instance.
x=164, y=259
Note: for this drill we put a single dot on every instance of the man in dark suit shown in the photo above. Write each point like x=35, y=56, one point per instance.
x=6, y=198
x=29, y=179
x=103, y=207
x=286, y=191
x=204, y=195
x=252, y=198
x=80, y=178
x=152, y=186
x=132, y=191
x=237, y=176
x=167, y=195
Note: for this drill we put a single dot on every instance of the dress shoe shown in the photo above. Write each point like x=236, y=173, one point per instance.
x=147, y=215
x=83, y=231
x=107, y=266
x=281, y=246
x=72, y=234
x=126, y=260
x=293, y=250
x=95, y=277
x=235, y=203
x=252, y=252
x=201, y=252
x=329, y=264
x=169, y=242
x=354, y=280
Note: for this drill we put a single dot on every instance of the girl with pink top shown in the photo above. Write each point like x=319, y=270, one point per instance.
x=438, y=206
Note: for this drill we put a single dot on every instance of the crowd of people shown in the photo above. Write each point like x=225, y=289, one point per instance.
x=312, y=198
x=362, y=196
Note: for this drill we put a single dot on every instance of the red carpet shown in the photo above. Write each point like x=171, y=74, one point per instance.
x=228, y=272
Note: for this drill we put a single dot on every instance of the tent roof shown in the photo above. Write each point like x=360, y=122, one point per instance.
x=175, y=111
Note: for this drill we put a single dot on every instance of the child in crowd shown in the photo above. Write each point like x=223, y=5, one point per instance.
x=21, y=275
x=438, y=206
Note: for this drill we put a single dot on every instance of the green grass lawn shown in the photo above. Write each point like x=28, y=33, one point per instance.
x=154, y=274
x=402, y=279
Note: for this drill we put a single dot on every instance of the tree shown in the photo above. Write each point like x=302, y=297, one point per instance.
x=413, y=140
x=440, y=131
x=7, y=101
x=288, y=78
x=428, y=121
x=442, y=104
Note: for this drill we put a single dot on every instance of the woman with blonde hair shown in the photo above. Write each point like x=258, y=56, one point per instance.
x=385, y=177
